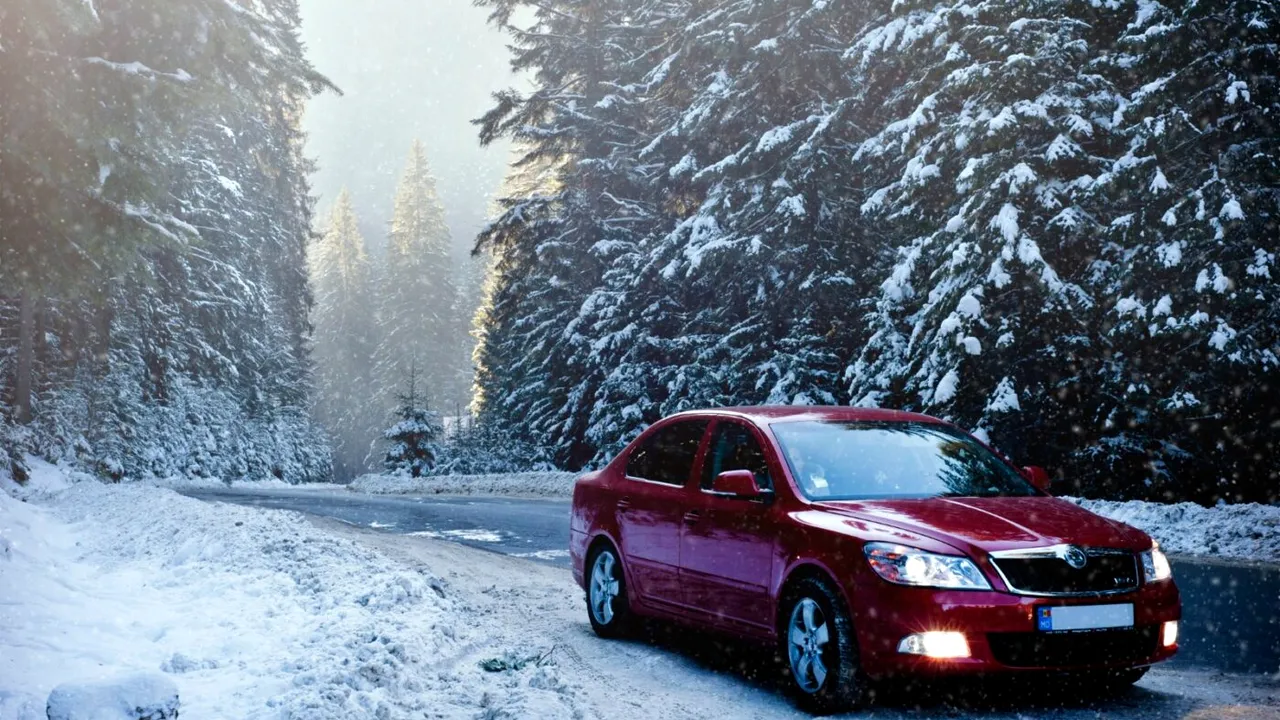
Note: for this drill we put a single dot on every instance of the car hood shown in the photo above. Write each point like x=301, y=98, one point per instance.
x=991, y=524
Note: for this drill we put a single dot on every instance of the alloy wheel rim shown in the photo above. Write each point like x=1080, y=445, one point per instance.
x=807, y=638
x=604, y=588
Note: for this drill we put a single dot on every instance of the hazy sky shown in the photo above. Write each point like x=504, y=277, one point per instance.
x=409, y=69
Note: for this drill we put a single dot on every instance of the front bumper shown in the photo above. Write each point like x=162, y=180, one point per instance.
x=1001, y=630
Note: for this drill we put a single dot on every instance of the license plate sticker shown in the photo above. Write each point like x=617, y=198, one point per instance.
x=1084, y=617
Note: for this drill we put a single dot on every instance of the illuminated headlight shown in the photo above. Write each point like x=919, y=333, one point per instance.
x=935, y=645
x=1169, y=634
x=1155, y=566
x=909, y=566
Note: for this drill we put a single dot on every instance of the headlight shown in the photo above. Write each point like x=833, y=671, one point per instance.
x=909, y=566
x=1155, y=566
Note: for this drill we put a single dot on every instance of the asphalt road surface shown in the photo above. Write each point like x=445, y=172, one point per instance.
x=1231, y=611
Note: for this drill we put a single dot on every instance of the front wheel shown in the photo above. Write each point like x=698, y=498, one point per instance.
x=820, y=648
x=607, y=605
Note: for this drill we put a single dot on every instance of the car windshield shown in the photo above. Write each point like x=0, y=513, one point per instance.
x=862, y=461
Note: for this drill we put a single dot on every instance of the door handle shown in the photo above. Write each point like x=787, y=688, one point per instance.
x=624, y=504
x=692, y=517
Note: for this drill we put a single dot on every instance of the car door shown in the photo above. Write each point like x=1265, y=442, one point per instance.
x=727, y=544
x=651, y=505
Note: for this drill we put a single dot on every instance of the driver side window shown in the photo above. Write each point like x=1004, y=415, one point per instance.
x=734, y=447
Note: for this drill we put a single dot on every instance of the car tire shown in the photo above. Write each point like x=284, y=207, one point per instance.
x=608, y=608
x=819, y=649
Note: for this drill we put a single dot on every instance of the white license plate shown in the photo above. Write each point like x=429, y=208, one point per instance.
x=1084, y=617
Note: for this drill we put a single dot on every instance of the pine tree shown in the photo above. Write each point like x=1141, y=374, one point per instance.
x=740, y=295
x=526, y=177
x=344, y=339
x=412, y=443
x=1192, y=296
x=552, y=249
x=417, y=298
x=985, y=153
x=146, y=277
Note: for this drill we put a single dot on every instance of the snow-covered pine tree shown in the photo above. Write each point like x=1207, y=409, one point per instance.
x=522, y=180
x=474, y=274
x=590, y=59
x=344, y=340
x=417, y=298
x=1189, y=276
x=413, y=442
x=743, y=294
x=157, y=286
x=84, y=181
x=989, y=124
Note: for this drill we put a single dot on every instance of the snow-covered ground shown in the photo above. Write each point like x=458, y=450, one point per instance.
x=255, y=613
x=1247, y=531
x=530, y=484
x=251, y=613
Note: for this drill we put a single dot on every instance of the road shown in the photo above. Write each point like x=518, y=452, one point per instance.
x=1231, y=611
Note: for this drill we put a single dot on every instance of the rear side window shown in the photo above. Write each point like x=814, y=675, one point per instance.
x=733, y=447
x=668, y=456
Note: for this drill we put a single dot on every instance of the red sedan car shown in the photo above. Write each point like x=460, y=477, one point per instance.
x=865, y=543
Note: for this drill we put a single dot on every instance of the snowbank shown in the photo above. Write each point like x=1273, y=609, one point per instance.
x=46, y=481
x=250, y=612
x=179, y=482
x=136, y=697
x=528, y=484
x=1246, y=531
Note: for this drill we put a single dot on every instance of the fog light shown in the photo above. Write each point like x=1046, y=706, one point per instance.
x=1169, y=634
x=935, y=645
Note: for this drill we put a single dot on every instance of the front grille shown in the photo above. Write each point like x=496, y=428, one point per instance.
x=1069, y=649
x=1104, y=572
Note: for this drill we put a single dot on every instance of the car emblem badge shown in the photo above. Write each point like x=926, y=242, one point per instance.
x=1075, y=557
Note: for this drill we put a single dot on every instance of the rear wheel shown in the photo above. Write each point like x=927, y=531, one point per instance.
x=820, y=649
x=607, y=606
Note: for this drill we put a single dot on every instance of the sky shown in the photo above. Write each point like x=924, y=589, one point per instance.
x=408, y=69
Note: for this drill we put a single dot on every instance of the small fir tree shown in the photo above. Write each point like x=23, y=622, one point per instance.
x=412, y=443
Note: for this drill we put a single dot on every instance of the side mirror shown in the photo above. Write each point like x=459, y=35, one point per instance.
x=1038, y=477
x=736, y=483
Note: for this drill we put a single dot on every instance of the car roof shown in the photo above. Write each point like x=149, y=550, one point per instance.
x=767, y=414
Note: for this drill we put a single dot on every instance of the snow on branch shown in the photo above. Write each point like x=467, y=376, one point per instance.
x=137, y=68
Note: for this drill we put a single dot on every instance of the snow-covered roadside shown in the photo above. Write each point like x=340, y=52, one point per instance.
x=530, y=484
x=252, y=613
x=181, y=483
x=1247, y=531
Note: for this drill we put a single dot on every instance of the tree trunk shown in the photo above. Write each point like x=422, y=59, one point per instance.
x=26, y=353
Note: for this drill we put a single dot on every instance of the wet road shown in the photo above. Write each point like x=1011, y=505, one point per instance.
x=1231, y=611
x=537, y=529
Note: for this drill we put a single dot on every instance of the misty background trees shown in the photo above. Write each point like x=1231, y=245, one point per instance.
x=396, y=324
x=345, y=338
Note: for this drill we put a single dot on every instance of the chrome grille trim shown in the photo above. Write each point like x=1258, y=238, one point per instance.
x=1059, y=552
